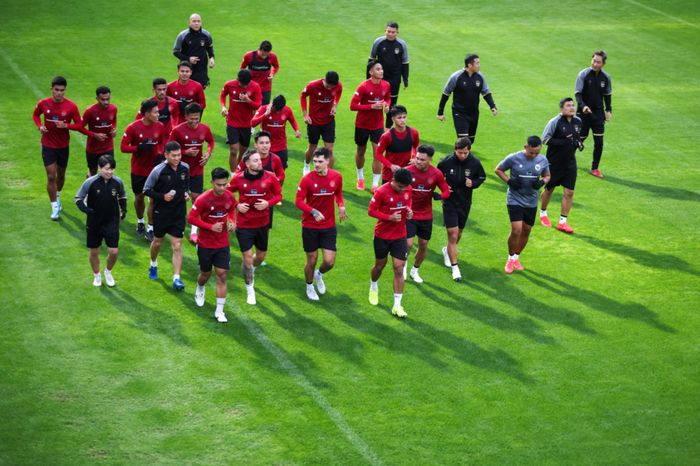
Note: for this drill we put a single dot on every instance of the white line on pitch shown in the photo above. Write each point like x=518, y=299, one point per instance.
x=654, y=10
x=13, y=66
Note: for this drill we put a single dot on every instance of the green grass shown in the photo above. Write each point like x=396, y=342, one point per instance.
x=590, y=356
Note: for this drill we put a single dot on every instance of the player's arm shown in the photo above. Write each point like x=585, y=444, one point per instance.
x=449, y=88
x=127, y=141
x=222, y=100
x=209, y=138
x=374, y=209
x=256, y=99
x=355, y=104
x=444, y=187
x=201, y=98
x=260, y=115
x=404, y=64
x=342, y=213
x=194, y=217
x=122, y=198
x=293, y=121
x=81, y=195
x=488, y=97
x=275, y=65
x=276, y=190
x=384, y=141
x=300, y=200
x=304, y=105
x=247, y=58
x=86, y=114
x=77, y=124
x=479, y=177
x=177, y=47
x=512, y=182
x=278, y=168
x=149, y=186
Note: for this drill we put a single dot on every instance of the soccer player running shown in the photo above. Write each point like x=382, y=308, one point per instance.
x=318, y=190
x=562, y=137
x=392, y=53
x=168, y=108
x=144, y=140
x=168, y=186
x=244, y=98
x=258, y=190
x=101, y=122
x=425, y=179
x=593, y=90
x=397, y=145
x=391, y=206
x=528, y=173
x=270, y=162
x=194, y=45
x=371, y=99
x=186, y=90
x=274, y=118
x=191, y=135
x=263, y=66
x=319, y=116
x=463, y=173
x=101, y=197
x=214, y=212
x=466, y=85
x=58, y=113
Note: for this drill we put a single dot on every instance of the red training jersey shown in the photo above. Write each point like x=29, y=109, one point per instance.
x=261, y=69
x=240, y=113
x=65, y=111
x=99, y=119
x=399, y=149
x=272, y=163
x=168, y=113
x=265, y=187
x=424, y=183
x=209, y=209
x=320, y=192
x=321, y=101
x=384, y=203
x=366, y=95
x=189, y=138
x=276, y=124
x=143, y=161
x=187, y=93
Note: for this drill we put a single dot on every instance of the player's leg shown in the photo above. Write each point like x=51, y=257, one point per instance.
x=454, y=234
x=376, y=164
x=381, y=252
x=266, y=97
x=176, y=245
x=395, y=86
x=398, y=259
x=309, y=266
x=112, y=241
x=328, y=134
x=567, y=201
x=361, y=138
x=51, y=175
x=421, y=252
x=461, y=124
x=196, y=188
x=232, y=141
x=155, y=249
x=546, y=197
x=221, y=290
x=243, y=143
x=95, y=260
x=91, y=160
x=473, y=122
x=61, y=166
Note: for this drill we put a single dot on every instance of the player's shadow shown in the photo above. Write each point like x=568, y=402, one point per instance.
x=598, y=301
x=645, y=258
x=661, y=191
x=360, y=201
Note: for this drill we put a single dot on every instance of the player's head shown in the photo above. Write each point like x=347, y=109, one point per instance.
x=244, y=77
x=193, y=113
x=321, y=158
x=149, y=110
x=375, y=69
x=392, y=30
x=173, y=153
x=532, y=147
x=331, y=80
x=265, y=48
x=262, y=143
x=252, y=161
x=184, y=70
x=103, y=94
x=462, y=147
x=219, y=180
x=278, y=103
x=106, y=165
x=58, y=88
x=398, y=114
x=424, y=155
x=160, y=87
x=195, y=22
x=472, y=62
x=402, y=179
x=598, y=60
x=566, y=106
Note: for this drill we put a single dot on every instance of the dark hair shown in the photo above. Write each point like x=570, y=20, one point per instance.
x=534, y=141
x=322, y=152
x=244, y=77
x=106, y=160
x=565, y=100
x=219, y=174
x=261, y=134
x=247, y=155
x=426, y=149
x=403, y=176
x=147, y=105
x=102, y=90
x=332, y=78
x=463, y=143
x=469, y=59
x=265, y=46
x=397, y=110
x=194, y=107
x=601, y=53
x=59, y=81
x=159, y=82
x=171, y=146
x=279, y=102
x=392, y=24
x=371, y=64
x=184, y=63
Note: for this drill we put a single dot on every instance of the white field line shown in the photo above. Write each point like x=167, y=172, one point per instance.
x=659, y=12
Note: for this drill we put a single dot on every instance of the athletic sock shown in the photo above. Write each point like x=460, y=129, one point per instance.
x=360, y=173
x=220, y=304
x=307, y=166
x=516, y=257
x=562, y=219
x=176, y=276
x=58, y=196
x=194, y=229
x=397, y=299
x=310, y=287
x=543, y=213
x=249, y=288
x=96, y=274
x=373, y=286
x=455, y=267
x=200, y=288
x=318, y=273
x=511, y=257
x=415, y=267
x=154, y=263
x=140, y=220
x=54, y=205
x=376, y=179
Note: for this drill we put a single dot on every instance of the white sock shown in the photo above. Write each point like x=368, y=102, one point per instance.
x=360, y=173
x=220, y=304
x=250, y=288
x=96, y=274
x=374, y=286
x=318, y=273
x=108, y=270
x=376, y=179
x=176, y=276
x=516, y=257
x=455, y=267
x=307, y=166
x=200, y=287
x=54, y=205
x=310, y=287
x=149, y=227
x=562, y=219
x=397, y=299
x=154, y=263
x=140, y=220
x=414, y=269
x=543, y=213
x=58, y=196
x=194, y=229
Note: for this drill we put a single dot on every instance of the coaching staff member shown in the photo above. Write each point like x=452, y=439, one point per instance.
x=194, y=45
x=392, y=53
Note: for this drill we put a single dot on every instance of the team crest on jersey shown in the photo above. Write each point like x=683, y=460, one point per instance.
x=263, y=185
x=332, y=184
x=182, y=176
x=399, y=204
x=201, y=43
x=477, y=82
x=577, y=128
x=227, y=206
x=467, y=172
x=537, y=167
x=602, y=84
x=391, y=199
x=98, y=191
x=405, y=196
x=114, y=192
x=397, y=50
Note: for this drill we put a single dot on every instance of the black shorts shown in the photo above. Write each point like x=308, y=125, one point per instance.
x=316, y=132
x=238, y=136
x=266, y=97
x=465, y=124
x=108, y=231
x=455, y=217
x=594, y=121
x=519, y=213
x=57, y=156
x=197, y=184
x=283, y=155
x=137, y=183
x=562, y=176
x=362, y=135
x=92, y=159
x=398, y=248
x=171, y=223
x=319, y=238
x=217, y=257
x=249, y=237
x=422, y=228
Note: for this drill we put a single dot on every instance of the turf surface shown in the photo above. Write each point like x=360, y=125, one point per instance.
x=589, y=356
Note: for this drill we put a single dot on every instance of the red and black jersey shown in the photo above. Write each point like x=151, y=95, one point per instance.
x=187, y=93
x=143, y=160
x=399, y=148
x=366, y=95
x=261, y=68
x=320, y=193
x=250, y=189
x=321, y=101
x=424, y=183
x=168, y=113
x=209, y=209
x=189, y=138
x=385, y=202
x=276, y=124
x=65, y=111
x=240, y=113
x=99, y=119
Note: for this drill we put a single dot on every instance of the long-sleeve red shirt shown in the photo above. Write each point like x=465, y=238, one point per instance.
x=101, y=120
x=249, y=190
x=260, y=70
x=398, y=147
x=209, y=209
x=65, y=111
x=424, y=183
x=366, y=95
x=321, y=101
x=142, y=162
x=240, y=113
x=193, y=138
x=320, y=192
x=384, y=203
x=275, y=124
